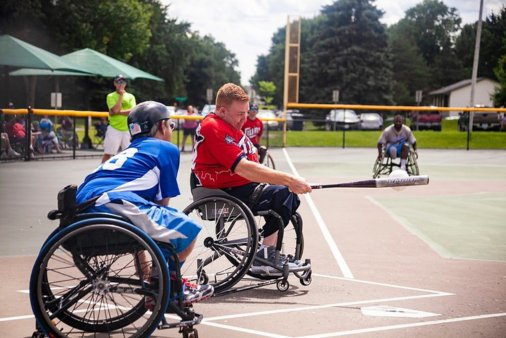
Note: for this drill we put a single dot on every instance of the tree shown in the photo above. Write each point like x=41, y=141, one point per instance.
x=267, y=91
x=350, y=54
x=434, y=27
x=211, y=65
x=499, y=96
x=410, y=72
x=137, y=32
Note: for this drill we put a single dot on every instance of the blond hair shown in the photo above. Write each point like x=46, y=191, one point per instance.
x=228, y=93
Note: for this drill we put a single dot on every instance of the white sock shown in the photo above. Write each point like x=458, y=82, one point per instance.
x=403, y=164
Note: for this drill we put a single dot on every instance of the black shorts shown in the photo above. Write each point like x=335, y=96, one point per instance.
x=190, y=131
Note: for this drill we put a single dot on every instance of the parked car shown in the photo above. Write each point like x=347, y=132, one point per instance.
x=424, y=120
x=269, y=114
x=342, y=119
x=371, y=121
x=294, y=120
x=481, y=121
x=208, y=108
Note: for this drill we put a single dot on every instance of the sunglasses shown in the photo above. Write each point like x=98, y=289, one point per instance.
x=121, y=82
x=171, y=124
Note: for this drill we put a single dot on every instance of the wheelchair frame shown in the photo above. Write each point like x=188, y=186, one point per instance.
x=94, y=275
x=386, y=165
x=229, y=240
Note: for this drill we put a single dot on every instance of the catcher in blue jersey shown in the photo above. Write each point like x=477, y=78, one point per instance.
x=138, y=183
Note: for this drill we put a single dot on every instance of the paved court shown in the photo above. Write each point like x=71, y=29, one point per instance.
x=427, y=261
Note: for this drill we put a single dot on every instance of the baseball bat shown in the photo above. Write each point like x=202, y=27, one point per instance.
x=385, y=182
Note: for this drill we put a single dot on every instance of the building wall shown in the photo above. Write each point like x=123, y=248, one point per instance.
x=482, y=95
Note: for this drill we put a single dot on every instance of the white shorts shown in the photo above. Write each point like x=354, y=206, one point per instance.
x=115, y=140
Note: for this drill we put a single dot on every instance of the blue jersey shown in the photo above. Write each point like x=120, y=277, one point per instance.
x=144, y=172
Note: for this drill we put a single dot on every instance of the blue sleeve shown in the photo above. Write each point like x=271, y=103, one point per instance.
x=169, y=167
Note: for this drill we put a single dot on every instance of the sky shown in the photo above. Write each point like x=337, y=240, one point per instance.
x=246, y=27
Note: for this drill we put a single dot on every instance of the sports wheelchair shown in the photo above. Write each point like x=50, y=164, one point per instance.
x=94, y=277
x=229, y=240
x=385, y=165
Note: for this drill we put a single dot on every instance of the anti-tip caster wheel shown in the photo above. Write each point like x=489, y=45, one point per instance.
x=282, y=285
x=306, y=280
x=193, y=333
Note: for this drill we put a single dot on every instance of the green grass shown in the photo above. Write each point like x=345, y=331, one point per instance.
x=448, y=138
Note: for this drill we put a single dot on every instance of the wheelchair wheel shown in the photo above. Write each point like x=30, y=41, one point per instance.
x=269, y=161
x=412, y=165
x=226, y=245
x=382, y=167
x=293, y=242
x=90, y=278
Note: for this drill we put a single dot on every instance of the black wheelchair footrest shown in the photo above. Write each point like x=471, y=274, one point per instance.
x=164, y=324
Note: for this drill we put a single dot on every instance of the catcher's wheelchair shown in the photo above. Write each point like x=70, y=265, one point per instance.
x=228, y=242
x=93, y=278
x=385, y=165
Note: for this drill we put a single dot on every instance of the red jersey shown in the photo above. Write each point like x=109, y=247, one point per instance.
x=219, y=148
x=253, y=129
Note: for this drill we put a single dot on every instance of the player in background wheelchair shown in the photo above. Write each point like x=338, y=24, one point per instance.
x=138, y=183
x=226, y=159
x=396, y=141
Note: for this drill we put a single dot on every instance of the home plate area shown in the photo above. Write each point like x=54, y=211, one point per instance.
x=331, y=306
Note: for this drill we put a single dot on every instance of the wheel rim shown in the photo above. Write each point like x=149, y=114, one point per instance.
x=225, y=245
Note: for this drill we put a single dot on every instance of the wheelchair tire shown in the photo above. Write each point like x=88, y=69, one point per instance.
x=269, y=161
x=78, y=286
x=293, y=244
x=412, y=166
x=226, y=245
x=376, y=169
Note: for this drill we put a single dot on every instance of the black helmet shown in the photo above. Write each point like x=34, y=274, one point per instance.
x=253, y=107
x=144, y=116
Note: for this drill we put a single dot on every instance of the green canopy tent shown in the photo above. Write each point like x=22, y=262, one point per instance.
x=17, y=53
x=106, y=66
x=94, y=63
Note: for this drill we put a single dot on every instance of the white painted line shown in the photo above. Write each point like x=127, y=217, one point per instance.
x=320, y=307
x=240, y=329
x=323, y=227
x=442, y=293
x=8, y=319
x=392, y=311
x=404, y=326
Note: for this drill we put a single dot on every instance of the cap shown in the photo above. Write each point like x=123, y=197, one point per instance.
x=253, y=107
x=120, y=77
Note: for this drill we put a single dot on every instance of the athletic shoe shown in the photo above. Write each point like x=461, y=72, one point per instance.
x=194, y=293
x=13, y=153
x=269, y=253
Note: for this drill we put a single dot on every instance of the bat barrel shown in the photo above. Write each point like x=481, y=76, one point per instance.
x=378, y=183
x=402, y=181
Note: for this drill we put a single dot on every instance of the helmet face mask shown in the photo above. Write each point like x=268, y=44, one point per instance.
x=144, y=116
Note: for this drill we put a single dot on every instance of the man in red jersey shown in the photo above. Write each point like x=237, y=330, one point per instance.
x=254, y=128
x=225, y=158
